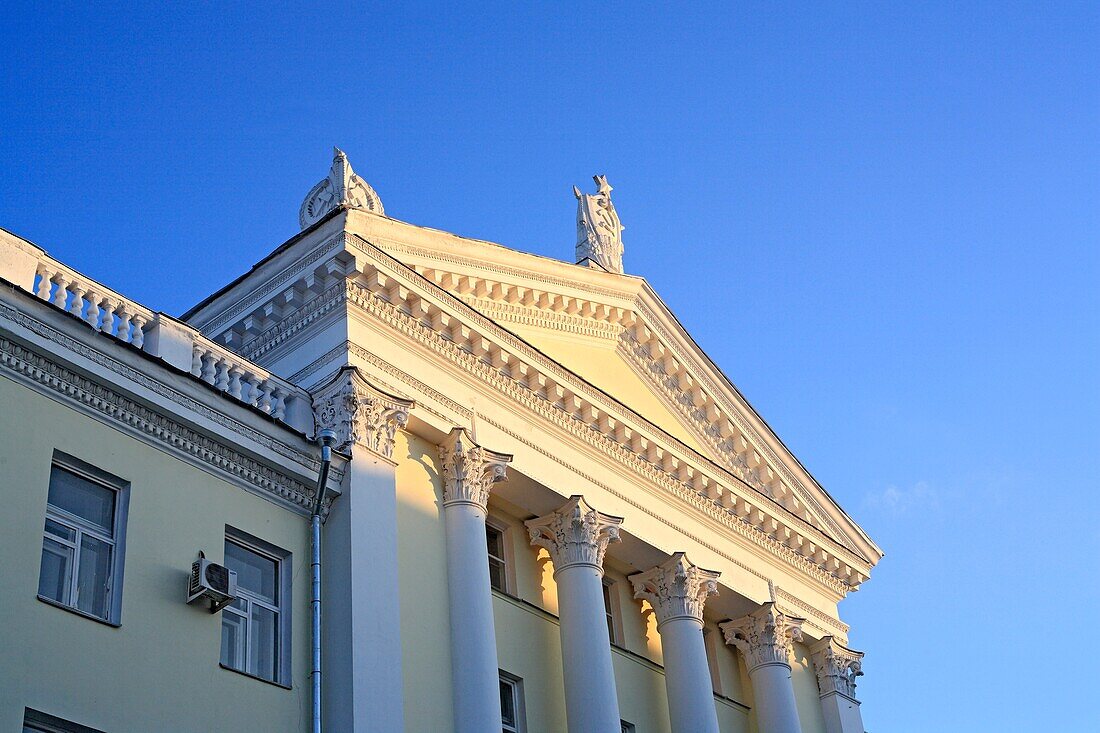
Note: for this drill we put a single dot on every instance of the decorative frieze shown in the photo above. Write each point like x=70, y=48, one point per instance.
x=764, y=636
x=575, y=534
x=360, y=413
x=469, y=471
x=677, y=588
x=837, y=667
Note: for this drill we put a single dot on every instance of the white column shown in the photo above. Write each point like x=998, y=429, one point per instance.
x=577, y=537
x=837, y=667
x=677, y=590
x=469, y=471
x=361, y=613
x=764, y=638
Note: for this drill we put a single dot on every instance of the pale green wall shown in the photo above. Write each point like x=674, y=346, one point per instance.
x=158, y=671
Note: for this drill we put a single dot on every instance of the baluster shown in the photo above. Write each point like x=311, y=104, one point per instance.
x=253, y=390
x=278, y=407
x=45, y=284
x=107, y=325
x=137, y=338
x=91, y=316
x=62, y=293
x=265, y=396
x=209, y=367
x=221, y=379
x=76, y=305
x=196, y=361
x=235, y=373
x=124, y=317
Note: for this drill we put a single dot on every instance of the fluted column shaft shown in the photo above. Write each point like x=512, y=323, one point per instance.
x=764, y=637
x=677, y=591
x=577, y=536
x=468, y=474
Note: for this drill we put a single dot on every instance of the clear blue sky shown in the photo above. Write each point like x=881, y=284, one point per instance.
x=883, y=222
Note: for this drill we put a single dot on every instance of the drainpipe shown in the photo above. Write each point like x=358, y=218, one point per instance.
x=326, y=437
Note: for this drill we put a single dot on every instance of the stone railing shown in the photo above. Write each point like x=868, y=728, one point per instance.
x=157, y=334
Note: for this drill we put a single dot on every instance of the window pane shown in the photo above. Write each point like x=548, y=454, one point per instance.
x=495, y=540
x=507, y=704
x=255, y=573
x=264, y=651
x=91, y=583
x=496, y=574
x=91, y=502
x=233, y=640
x=57, y=529
x=56, y=571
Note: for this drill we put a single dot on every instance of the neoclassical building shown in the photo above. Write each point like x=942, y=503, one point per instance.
x=542, y=508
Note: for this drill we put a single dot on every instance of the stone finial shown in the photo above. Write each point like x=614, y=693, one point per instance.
x=599, y=231
x=837, y=667
x=342, y=188
x=360, y=413
x=764, y=636
x=575, y=534
x=676, y=588
x=469, y=471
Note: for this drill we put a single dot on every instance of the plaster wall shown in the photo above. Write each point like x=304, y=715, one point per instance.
x=158, y=670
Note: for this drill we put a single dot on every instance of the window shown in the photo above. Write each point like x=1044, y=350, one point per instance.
x=36, y=722
x=608, y=609
x=82, y=540
x=494, y=538
x=626, y=727
x=511, y=703
x=255, y=628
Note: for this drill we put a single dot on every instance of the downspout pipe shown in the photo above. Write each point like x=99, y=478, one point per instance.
x=327, y=437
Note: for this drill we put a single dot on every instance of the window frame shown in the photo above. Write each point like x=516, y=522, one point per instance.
x=626, y=727
x=282, y=608
x=40, y=722
x=611, y=610
x=516, y=685
x=117, y=540
x=497, y=525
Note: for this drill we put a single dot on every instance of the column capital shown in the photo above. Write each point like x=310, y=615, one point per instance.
x=360, y=413
x=575, y=534
x=837, y=667
x=677, y=588
x=764, y=636
x=469, y=471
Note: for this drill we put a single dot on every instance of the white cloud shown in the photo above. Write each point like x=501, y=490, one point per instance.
x=897, y=501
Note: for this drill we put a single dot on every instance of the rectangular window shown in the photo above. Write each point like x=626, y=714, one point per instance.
x=608, y=610
x=36, y=722
x=255, y=628
x=494, y=538
x=82, y=540
x=511, y=703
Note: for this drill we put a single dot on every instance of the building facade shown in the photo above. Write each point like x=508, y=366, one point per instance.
x=547, y=509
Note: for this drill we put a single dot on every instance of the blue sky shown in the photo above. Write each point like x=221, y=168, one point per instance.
x=881, y=220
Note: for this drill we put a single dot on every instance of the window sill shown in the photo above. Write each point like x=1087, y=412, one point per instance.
x=255, y=677
x=78, y=612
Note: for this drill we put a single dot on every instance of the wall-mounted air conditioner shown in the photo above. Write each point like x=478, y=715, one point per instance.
x=215, y=582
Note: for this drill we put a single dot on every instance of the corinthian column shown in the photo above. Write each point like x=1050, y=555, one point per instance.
x=677, y=590
x=469, y=471
x=577, y=537
x=764, y=638
x=837, y=667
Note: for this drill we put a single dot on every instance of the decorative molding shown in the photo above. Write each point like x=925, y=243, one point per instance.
x=575, y=534
x=38, y=371
x=599, y=231
x=837, y=667
x=360, y=413
x=469, y=471
x=764, y=636
x=342, y=188
x=293, y=324
x=677, y=588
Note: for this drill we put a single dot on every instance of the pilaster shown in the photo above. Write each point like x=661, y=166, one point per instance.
x=360, y=413
x=837, y=667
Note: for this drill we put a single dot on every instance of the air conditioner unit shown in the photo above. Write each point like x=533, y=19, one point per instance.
x=213, y=581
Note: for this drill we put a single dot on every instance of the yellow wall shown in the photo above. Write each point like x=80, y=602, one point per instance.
x=159, y=670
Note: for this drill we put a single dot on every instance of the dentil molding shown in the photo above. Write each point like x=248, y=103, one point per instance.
x=575, y=534
x=764, y=636
x=469, y=471
x=360, y=413
x=677, y=588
